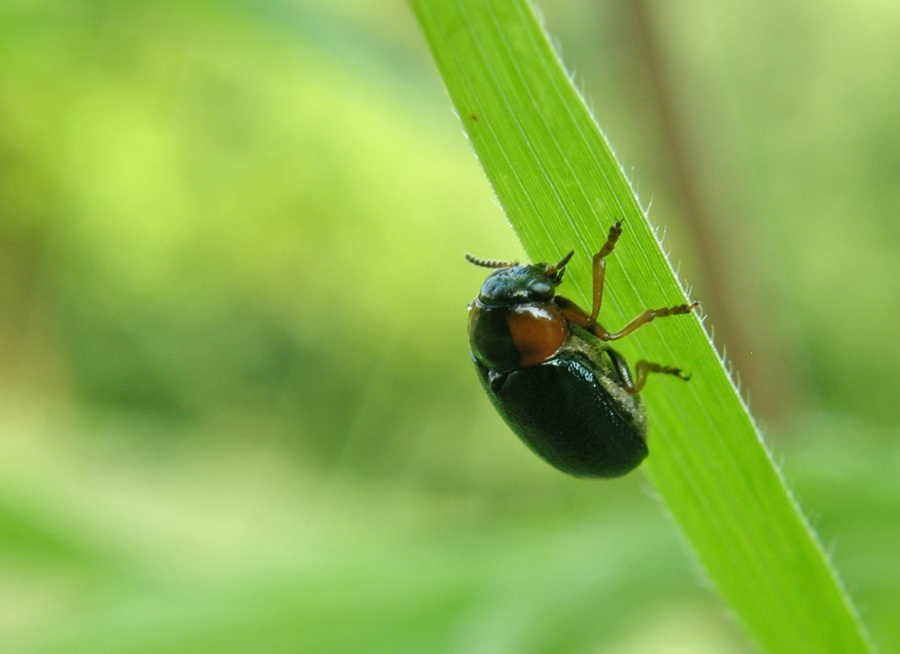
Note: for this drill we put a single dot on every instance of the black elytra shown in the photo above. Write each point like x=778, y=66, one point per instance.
x=548, y=371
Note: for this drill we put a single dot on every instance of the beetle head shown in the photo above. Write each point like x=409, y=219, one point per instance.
x=513, y=283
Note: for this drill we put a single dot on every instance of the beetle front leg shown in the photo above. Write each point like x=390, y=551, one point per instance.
x=577, y=315
x=599, y=267
x=599, y=273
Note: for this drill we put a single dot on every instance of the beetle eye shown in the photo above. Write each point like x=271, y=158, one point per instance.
x=541, y=288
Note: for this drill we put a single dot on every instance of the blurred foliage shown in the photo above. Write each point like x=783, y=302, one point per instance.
x=238, y=412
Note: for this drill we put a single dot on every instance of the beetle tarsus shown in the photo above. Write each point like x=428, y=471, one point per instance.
x=614, y=233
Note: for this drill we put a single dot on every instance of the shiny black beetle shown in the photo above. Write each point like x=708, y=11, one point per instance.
x=545, y=365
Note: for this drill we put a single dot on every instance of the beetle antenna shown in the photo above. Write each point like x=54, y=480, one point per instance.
x=562, y=264
x=490, y=263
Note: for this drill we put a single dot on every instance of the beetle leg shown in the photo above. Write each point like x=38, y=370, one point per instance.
x=643, y=368
x=600, y=269
x=573, y=313
x=621, y=367
x=642, y=319
x=579, y=316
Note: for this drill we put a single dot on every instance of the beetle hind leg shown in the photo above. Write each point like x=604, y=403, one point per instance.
x=643, y=368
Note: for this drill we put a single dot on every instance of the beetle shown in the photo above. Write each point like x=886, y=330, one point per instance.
x=546, y=366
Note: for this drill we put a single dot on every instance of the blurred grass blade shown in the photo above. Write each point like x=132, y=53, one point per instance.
x=561, y=187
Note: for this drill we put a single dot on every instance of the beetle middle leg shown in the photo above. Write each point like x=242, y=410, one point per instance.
x=642, y=319
x=576, y=314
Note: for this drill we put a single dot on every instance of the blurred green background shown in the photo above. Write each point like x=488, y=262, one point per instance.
x=237, y=412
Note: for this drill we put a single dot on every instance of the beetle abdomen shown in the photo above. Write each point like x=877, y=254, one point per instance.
x=582, y=423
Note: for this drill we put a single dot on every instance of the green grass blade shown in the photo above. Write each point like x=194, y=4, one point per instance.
x=561, y=188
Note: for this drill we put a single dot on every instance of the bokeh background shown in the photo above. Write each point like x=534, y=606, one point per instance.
x=236, y=408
